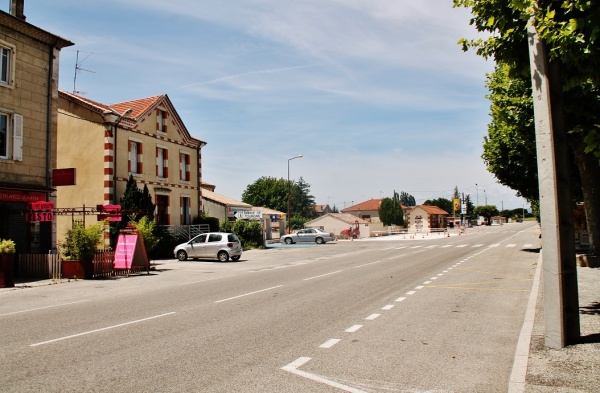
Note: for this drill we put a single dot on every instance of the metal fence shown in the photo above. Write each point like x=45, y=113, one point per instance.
x=186, y=232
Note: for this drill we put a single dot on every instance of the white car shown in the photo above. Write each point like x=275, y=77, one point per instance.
x=309, y=235
x=211, y=245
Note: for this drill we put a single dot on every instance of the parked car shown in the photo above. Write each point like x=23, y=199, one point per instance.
x=211, y=245
x=308, y=236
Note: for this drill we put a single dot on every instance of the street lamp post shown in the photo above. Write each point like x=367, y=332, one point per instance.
x=485, y=195
x=289, y=211
x=477, y=187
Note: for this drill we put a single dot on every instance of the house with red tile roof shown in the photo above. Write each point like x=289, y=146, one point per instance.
x=337, y=222
x=422, y=218
x=367, y=210
x=145, y=139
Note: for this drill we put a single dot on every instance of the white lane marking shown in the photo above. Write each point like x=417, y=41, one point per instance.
x=433, y=278
x=477, y=245
x=208, y=279
x=416, y=246
x=400, y=299
x=511, y=245
x=372, y=317
x=248, y=294
x=400, y=248
x=419, y=287
x=431, y=246
x=462, y=245
x=323, y=275
x=426, y=282
x=330, y=343
x=387, y=307
x=440, y=274
x=367, y=264
x=410, y=292
x=528, y=245
x=388, y=248
x=42, y=308
x=353, y=329
x=293, y=368
x=447, y=245
x=494, y=245
x=445, y=271
x=101, y=329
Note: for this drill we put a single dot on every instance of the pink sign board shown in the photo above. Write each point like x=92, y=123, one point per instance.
x=125, y=251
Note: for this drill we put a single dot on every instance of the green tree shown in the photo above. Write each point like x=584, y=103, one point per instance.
x=443, y=203
x=390, y=211
x=569, y=31
x=273, y=193
x=407, y=199
x=487, y=211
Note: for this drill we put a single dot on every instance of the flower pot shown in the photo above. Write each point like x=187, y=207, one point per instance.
x=72, y=269
x=7, y=263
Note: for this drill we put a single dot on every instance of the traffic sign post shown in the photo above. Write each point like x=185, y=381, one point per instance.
x=248, y=215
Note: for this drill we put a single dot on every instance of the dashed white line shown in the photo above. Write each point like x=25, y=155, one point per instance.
x=434, y=278
x=400, y=299
x=528, y=245
x=42, y=308
x=330, y=343
x=248, y=294
x=477, y=245
x=353, y=329
x=101, y=329
x=447, y=245
x=387, y=307
x=511, y=245
x=410, y=292
x=323, y=275
x=494, y=245
x=427, y=282
x=372, y=317
x=462, y=245
x=419, y=287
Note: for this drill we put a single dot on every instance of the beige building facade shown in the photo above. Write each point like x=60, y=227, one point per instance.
x=29, y=59
x=145, y=139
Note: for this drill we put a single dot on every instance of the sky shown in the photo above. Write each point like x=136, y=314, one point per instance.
x=376, y=95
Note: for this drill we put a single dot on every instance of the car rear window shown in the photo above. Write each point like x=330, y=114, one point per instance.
x=214, y=237
x=232, y=238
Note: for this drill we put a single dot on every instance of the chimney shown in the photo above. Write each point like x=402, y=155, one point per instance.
x=16, y=9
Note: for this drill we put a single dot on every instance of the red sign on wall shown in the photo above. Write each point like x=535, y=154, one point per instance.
x=63, y=177
x=18, y=196
x=40, y=212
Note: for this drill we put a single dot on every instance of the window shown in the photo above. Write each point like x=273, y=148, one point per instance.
x=214, y=237
x=184, y=167
x=162, y=162
x=161, y=119
x=185, y=211
x=5, y=65
x=135, y=157
x=11, y=137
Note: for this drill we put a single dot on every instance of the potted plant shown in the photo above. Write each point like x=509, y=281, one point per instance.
x=78, y=249
x=7, y=263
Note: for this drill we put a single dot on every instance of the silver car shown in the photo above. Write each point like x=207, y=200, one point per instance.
x=212, y=245
x=310, y=235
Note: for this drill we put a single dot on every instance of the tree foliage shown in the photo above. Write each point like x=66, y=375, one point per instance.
x=390, y=211
x=272, y=193
x=487, y=211
x=407, y=199
x=443, y=203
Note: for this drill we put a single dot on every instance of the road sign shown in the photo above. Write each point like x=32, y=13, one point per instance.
x=248, y=214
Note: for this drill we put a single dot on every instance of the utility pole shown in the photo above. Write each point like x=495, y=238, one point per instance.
x=561, y=301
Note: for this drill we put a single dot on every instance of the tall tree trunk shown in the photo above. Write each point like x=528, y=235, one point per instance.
x=589, y=171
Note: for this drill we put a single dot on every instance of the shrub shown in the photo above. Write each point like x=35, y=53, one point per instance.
x=7, y=246
x=81, y=242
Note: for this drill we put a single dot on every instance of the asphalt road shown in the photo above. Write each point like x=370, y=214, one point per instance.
x=401, y=315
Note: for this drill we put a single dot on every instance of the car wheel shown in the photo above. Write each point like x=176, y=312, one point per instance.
x=320, y=240
x=288, y=240
x=223, y=256
x=235, y=258
x=182, y=255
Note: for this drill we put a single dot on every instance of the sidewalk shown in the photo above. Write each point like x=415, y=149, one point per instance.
x=577, y=367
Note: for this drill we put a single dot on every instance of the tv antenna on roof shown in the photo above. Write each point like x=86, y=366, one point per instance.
x=77, y=69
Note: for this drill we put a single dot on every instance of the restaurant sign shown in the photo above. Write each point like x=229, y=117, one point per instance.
x=40, y=212
x=18, y=196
